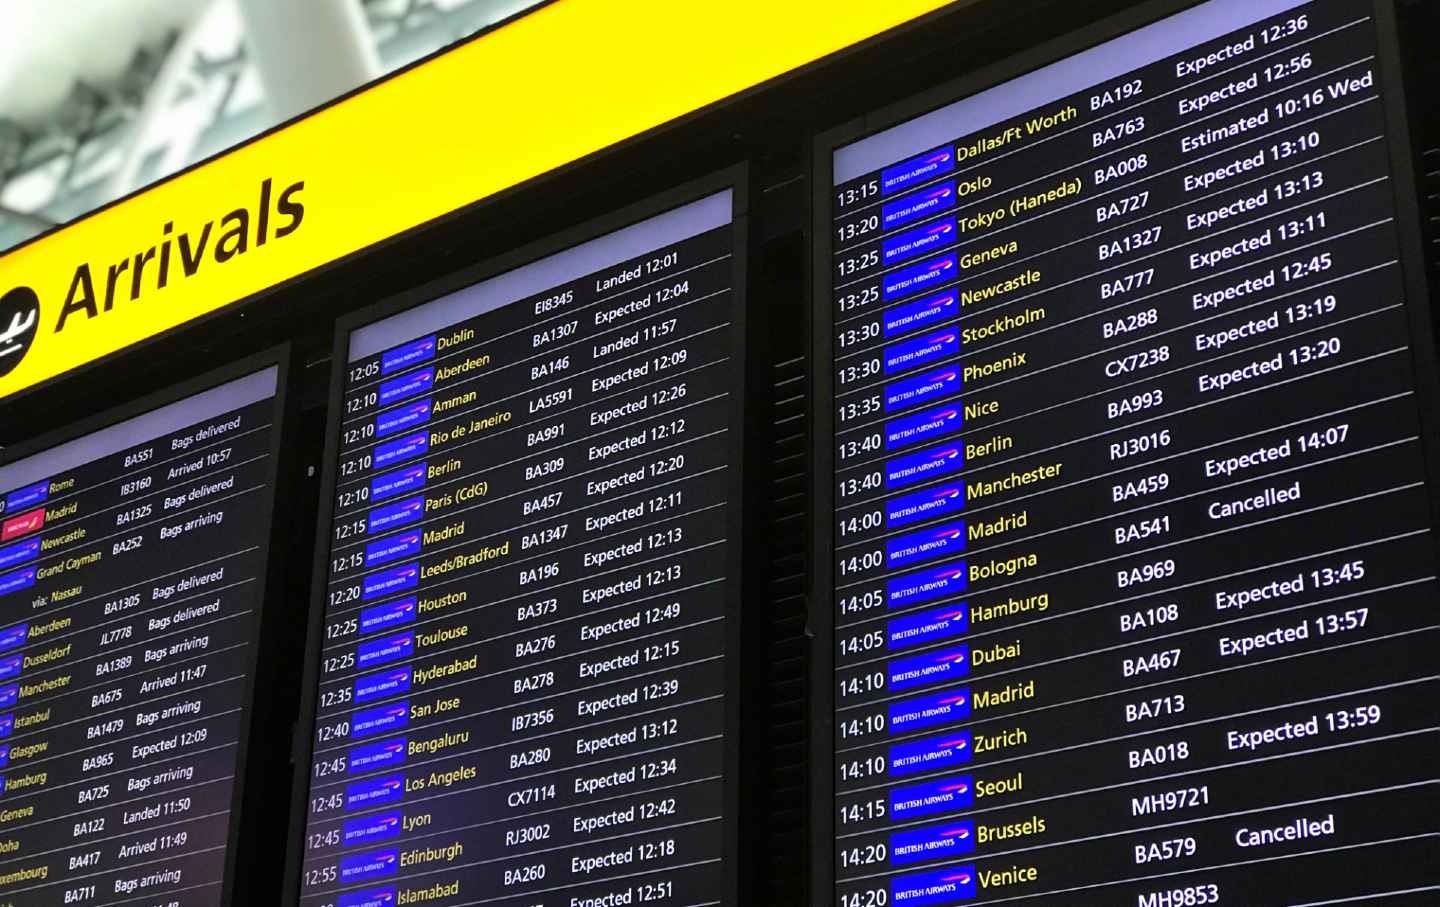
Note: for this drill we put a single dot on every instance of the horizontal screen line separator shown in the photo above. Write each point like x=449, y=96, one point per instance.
x=1122, y=514
x=550, y=353
x=1193, y=725
x=75, y=814
x=70, y=879
x=1120, y=114
x=350, y=389
x=1168, y=590
x=1369, y=897
x=1147, y=421
x=90, y=779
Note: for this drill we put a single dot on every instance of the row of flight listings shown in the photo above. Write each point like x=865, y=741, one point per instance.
x=1125, y=490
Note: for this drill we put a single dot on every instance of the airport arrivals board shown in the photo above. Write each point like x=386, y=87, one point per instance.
x=521, y=688
x=1134, y=572
x=132, y=571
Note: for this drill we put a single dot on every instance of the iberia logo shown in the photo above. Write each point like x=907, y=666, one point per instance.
x=19, y=316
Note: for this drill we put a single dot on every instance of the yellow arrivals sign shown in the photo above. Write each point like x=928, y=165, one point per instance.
x=570, y=79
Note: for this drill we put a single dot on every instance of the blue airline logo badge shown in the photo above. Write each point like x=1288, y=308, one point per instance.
x=910, y=354
x=376, y=755
x=374, y=792
x=378, y=686
x=18, y=581
x=9, y=695
x=15, y=636
x=407, y=416
x=369, y=722
x=917, y=170
x=930, y=200
x=28, y=496
x=11, y=666
x=7, y=724
x=927, y=626
x=945, y=886
x=402, y=448
x=915, y=315
x=906, y=245
x=935, y=797
x=924, y=505
x=19, y=554
x=936, y=582
x=915, y=278
x=385, y=582
x=392, y=549
x=927, y=464
x=914, y=391
x=375, y=897
x=947, y=840
x=922, y=426
x=406, y=386
x=4, y=755
x=918, y=670
x=381, y=827
x=385, y=650
x=398, y=482
x=390, y=614
x=936, y=541
x=928, y=755
x=374, y=865
x=392, y=515
x=405, y=356
x=928, y=711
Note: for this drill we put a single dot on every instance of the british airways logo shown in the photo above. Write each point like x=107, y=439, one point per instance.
x=376, y=792
x=916, y=170
x=9, y=695
x=397, y=580
x=943, y=887
x=378, y=686
x=18, y=581
x=927, y=755
x=925, y=544
x=369, y=722
x=931, y=667
x=912, y=207
x=928, y=711
x=920, y=351
x=7, y=724
x=398, y=482
x=902, y=433
x=376, y=755
x=378, y=897
x=915, y=315
x=400, y=419
x=407, y=355
x=947, y=840
x=927, y=464
x=28, y=496
x=393, y=515
x=913, y=279
x=381, y=651
x=914, y=391
x=927, y=626
x=391, y=549
x=371, y=828
x=406, y=386
x=19, y=554
x=929, y=799
x=369, y=865
x=11, y=666
x=390, y=614
x=907, y=245
x=402, y=449
x=924, y=505
x=914, y=588
x=15, y=636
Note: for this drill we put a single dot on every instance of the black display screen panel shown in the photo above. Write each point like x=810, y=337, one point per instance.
x=1132, y=565
x=132, y=575
x=531, y=578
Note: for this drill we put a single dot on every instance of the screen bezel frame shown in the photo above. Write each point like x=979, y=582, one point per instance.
x=242, y=834
x=735, y=178
x=820, y=589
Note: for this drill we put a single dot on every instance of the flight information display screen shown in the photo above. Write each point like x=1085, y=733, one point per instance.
x=522, y=691
x=1134, y=576
x=132, y=573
